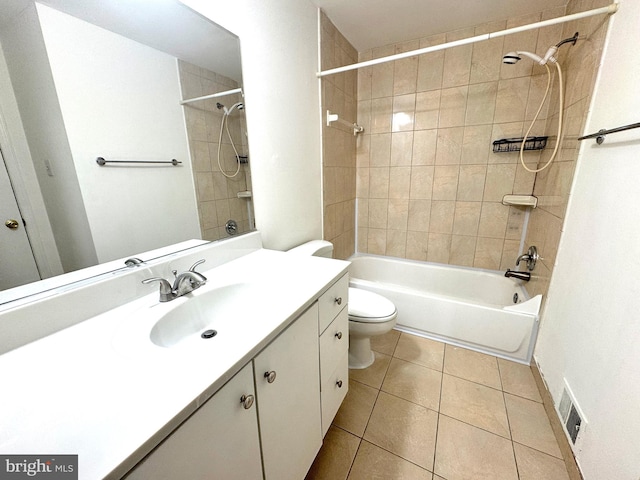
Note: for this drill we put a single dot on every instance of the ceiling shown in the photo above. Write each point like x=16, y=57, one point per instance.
x=374, y=23
x=165, y=25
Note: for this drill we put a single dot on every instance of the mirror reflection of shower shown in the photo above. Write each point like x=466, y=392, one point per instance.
x=224, y=126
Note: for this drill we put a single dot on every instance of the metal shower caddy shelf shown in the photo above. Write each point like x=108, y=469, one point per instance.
x=514, y=144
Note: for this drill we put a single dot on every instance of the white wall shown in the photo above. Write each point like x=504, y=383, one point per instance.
x=120, y=100
x=590, y=331
x=33, y=86
x=279, y=43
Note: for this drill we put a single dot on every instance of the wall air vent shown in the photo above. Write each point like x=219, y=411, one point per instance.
x=570, y=415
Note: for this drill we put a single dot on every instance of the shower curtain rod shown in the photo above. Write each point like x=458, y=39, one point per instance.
x=213, y=95
x=610, y=9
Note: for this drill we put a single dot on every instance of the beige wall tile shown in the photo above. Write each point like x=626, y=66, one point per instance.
x=379, y=182
x=439, y=248
x=467, y=218
x=381, y=114
x=511, y=99
x=405, y=75
x=401, y=148
x=398, y=214
x=396, y=243
x=449, y=146
x=378, y=212
x=442, y=215
x=510, y=252
x=404, y=107
x=499, y=182
x=476, y=144
x=445, y=182
x=493, y=220
x=453, y=105
x=399, y=182
x=463, y=250
x=427, y=109
x=417, y=243
x=421, y=182
x=382, y=80
x=419, y=213
x=424, y=147
x=488, y=253
x=457, y=61
x=471, y=182
x=481, y=103
x=487, y=56
x=380, y=154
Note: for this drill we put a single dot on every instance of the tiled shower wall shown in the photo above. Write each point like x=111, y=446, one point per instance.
x=580, y=65
x=216, y=195
x=338, y=142
x=429, y=186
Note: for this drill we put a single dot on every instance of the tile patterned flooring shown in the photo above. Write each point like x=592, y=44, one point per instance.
x=430, y=411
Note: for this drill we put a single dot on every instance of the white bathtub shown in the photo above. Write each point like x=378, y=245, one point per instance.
x=467, y=307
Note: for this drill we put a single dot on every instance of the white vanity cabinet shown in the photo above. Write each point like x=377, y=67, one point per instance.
x=333, y=324
x=288, y=397
x=220, y=440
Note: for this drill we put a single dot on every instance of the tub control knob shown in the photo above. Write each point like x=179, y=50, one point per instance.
x=270, y=376
x=339, y=383
x=339, y=335
x=339, y=300
x=246, y=401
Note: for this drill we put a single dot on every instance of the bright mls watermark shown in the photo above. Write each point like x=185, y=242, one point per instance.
x=49, y=467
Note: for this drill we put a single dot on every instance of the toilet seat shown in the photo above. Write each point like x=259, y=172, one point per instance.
x=369, y=307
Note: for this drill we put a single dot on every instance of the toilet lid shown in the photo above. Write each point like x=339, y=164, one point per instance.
x=366, y=306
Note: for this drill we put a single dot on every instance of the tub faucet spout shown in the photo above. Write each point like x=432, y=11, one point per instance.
x=524, y=276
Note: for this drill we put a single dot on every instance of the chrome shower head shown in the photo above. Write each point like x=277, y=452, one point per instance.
x=513, y=57
x=235, y=106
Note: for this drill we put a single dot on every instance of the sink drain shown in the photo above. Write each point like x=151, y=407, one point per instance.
x=209, y=334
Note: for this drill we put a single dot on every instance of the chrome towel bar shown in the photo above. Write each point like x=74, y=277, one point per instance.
x=601, y=134
x=102, y=161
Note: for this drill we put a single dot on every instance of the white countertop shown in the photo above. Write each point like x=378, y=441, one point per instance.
x=102, y=390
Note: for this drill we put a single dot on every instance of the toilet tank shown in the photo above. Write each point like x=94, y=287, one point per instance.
x=316, y=248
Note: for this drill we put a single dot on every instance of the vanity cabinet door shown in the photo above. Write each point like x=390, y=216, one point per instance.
x=219, y=441
x=288, y=393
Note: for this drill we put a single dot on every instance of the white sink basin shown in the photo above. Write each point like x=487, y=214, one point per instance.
x=204, y=311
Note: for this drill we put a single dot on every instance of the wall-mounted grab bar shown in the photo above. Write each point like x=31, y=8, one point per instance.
x=333, y=117
x=601, y=134
x=102, y=161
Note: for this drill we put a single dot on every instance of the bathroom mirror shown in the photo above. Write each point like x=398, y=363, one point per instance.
x=88, y=82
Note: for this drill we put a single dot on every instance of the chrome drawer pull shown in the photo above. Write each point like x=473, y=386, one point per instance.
x=339, y=335
x=270, y=376
x=339, y=383
x=338, y=300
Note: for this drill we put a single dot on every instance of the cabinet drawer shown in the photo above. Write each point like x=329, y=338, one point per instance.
x=334, y=343
x=334, y=389
x=332, y=301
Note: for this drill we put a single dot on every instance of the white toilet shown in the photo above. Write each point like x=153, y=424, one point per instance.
x=370, y=314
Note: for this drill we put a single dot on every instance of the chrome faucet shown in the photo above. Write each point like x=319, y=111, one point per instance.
x=531, y=257
x=184, y=283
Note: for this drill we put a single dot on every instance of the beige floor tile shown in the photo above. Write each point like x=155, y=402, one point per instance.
x=465, y=452
x=413, y=382
x=353, y=415
x=336, y=456
x=535, y=465
x=374, y=374
x=374, y=463
x=518, y=379
x=530, y=425
x=476, y=404
x=422, y=351
x=473, y=366
x=403, y=428
x=385, y=343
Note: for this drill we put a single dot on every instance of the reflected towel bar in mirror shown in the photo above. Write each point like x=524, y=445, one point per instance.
x=102, y=161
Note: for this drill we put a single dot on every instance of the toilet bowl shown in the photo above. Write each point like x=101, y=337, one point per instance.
x=370, y=314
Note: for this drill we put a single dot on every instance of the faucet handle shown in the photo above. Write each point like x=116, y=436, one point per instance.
x=193, y=267
x=166, y=290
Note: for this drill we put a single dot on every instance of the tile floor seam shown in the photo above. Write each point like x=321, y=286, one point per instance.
x=435, y=443
x=414, y=363
x=477, y=383
x=396, y=455
x=411, y=401
x=354, y=459
x=476, y=426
